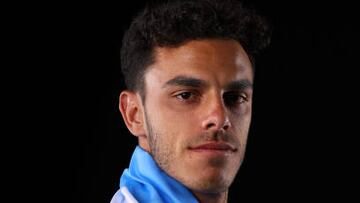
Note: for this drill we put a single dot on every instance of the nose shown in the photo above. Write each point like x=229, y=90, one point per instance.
x=216, y=116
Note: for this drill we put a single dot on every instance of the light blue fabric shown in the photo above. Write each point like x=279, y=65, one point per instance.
x=148, y=183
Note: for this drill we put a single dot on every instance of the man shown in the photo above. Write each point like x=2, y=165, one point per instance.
x=188, y=67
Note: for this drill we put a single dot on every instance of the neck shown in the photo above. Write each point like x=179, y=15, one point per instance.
x=212, y=197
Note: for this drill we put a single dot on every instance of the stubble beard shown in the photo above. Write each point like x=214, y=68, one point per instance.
x=161, y=156
x=164, y=155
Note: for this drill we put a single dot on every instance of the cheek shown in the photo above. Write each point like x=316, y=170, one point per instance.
x=172, y=120
x=176, y=114
x=241, y=123
x=179, y=126
x=243, y=111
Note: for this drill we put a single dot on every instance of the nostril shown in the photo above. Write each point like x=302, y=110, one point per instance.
x=210, y=125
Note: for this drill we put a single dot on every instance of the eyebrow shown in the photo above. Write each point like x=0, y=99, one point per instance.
x=197, y=83
x=239, y=85
x=186, y=81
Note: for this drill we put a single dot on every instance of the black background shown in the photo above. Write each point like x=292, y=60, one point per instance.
x=300, y=140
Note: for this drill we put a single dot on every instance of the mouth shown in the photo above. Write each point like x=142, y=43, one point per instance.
x=217, y=148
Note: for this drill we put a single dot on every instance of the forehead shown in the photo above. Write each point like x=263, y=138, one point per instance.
x=219, y=61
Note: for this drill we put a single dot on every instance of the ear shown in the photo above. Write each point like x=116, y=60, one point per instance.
x=132, y=112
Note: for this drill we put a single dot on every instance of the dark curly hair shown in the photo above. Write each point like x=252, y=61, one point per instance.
x=173, y=22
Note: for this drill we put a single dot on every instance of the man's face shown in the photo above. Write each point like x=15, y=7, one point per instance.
x=198, y=112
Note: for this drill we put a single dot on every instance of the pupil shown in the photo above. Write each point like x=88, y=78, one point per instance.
x=185, y=95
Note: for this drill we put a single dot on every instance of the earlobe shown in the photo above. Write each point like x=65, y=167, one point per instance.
x=131, y=110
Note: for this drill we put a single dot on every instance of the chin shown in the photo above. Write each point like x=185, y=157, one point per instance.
x=211, y=189
x=212, y=184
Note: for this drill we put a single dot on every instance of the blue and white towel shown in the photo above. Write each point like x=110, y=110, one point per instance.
x=144, y=181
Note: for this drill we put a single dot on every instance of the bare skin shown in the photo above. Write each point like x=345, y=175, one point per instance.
x=196, y=115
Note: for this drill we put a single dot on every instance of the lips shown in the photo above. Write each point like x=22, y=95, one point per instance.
x=214, y=146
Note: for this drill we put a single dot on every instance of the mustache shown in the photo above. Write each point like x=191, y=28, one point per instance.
x=216, y=136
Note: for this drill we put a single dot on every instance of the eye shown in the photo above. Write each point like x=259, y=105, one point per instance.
x=185, y=95
x=234, y=98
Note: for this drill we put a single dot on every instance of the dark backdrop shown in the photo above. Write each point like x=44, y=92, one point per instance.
x=298, y=146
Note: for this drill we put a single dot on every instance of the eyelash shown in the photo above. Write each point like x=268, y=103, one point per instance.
x=187, y=93
x=231, y=99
